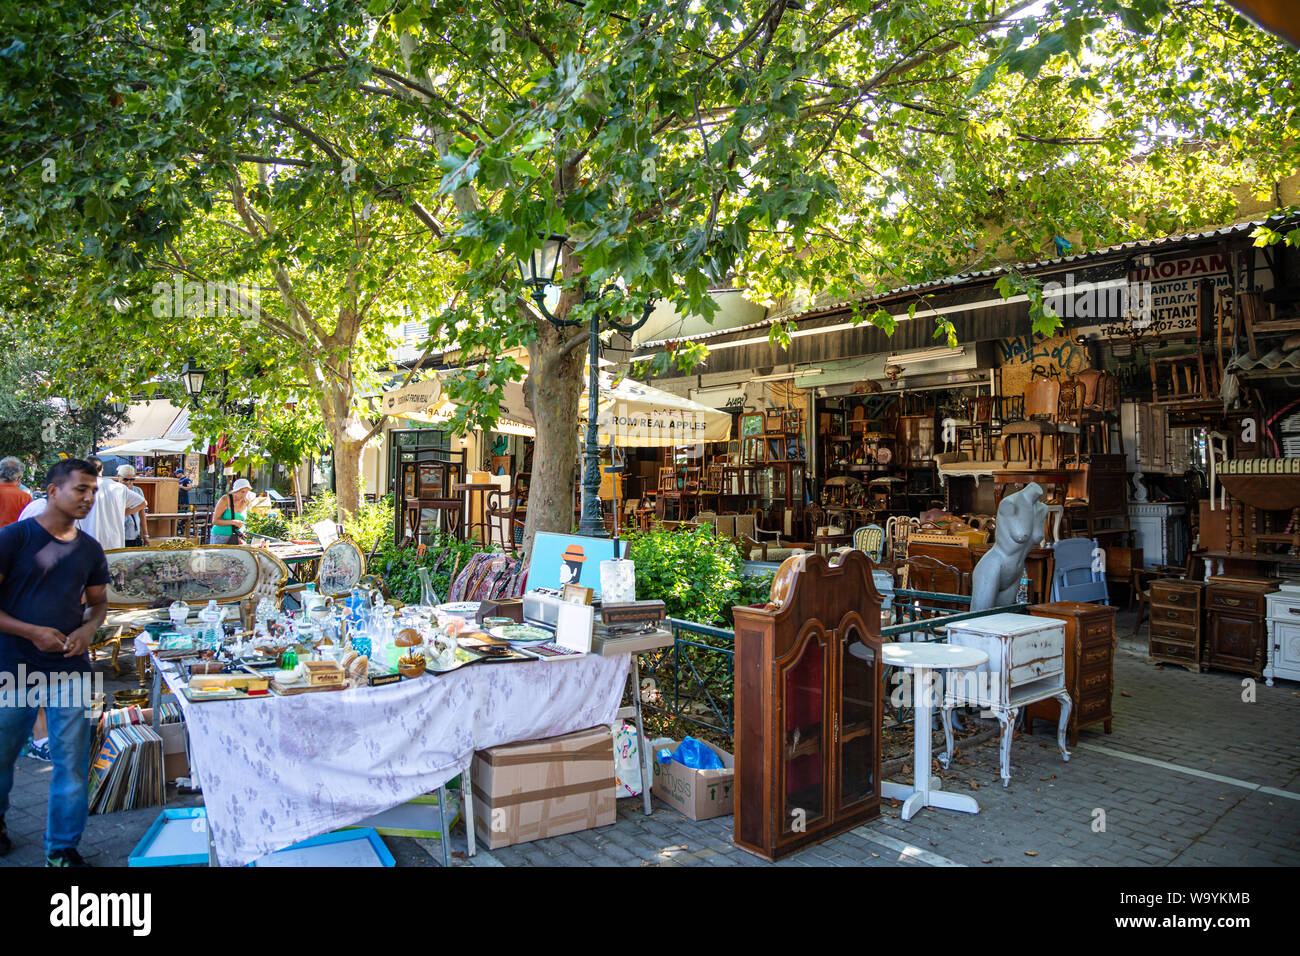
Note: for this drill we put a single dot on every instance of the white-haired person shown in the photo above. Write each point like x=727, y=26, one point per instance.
x=13, y=499
x=134, y=527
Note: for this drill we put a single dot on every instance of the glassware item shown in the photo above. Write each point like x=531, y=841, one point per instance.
x=289, y=659
x=179, y=612
x=319, y=611
x=210, y=631
x=428, y=598
x=617, y=581
x=265, y=611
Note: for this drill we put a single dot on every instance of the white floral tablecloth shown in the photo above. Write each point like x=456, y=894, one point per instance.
x=279, y=770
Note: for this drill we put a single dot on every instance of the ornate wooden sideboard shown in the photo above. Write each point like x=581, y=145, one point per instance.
x=1235, y=636
x=808, y=678
x=1089, y=666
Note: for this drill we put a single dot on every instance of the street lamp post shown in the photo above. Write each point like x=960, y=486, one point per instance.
x=539, y=273
x=193, y=377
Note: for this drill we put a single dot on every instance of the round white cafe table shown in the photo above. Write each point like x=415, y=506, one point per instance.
x=921, y=659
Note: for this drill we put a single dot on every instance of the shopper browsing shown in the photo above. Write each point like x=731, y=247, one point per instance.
x=134, y=530
x=106, y=522
x=230, y=513
x=47, y=568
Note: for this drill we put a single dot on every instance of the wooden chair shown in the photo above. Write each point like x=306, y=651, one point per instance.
x=450, y=513
x=509, y=508
x=1042, y=397
x=690, y=487
x=753, y=532
x=898, y=530
x=669, y=492
x=1183, y=374
x=976, y=431
x=1069, y=420
x=1098, y=407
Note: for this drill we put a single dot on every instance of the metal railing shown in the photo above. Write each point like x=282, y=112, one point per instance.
x=693, y=682
x=693, y=679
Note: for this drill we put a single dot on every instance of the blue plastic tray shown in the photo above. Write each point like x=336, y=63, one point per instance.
x=176, y=838
x=340, y=848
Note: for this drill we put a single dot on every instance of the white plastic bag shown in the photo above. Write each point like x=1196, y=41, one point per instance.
x=627, y=760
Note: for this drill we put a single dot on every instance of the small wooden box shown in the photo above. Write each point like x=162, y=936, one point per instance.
x=324, y=673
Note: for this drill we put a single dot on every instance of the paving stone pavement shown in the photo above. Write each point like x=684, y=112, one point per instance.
x=1233, y=797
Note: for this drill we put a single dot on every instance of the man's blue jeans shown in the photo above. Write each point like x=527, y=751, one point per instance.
x=67, y=706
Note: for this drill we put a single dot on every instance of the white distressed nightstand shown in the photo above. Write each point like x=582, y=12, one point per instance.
x=1026, y=664
x=1283, y=634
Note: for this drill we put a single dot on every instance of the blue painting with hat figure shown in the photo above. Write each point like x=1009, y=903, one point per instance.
x=560, y=559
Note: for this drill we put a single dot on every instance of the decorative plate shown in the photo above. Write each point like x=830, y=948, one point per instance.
x=459, y=607
x=463, y=656
x=519, y=634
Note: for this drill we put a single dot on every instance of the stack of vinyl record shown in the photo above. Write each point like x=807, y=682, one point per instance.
x=127, y=770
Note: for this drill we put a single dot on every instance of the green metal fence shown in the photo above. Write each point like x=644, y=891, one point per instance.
x=693, y=679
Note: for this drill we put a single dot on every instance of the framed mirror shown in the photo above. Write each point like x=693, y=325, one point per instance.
x=341, y=566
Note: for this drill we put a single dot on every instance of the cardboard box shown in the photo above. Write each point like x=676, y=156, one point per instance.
x=176, y=759
x=699, y=794
x=543, y=788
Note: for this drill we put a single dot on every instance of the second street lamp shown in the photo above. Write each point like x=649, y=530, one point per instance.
x=538, y=272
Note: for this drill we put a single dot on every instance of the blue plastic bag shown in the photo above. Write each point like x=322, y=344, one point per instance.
x=691, y=753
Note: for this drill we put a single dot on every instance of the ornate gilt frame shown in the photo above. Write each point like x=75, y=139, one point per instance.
x=183, y=545
x=343, y=539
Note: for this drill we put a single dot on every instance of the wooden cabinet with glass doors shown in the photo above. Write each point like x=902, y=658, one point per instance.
x=807, y=678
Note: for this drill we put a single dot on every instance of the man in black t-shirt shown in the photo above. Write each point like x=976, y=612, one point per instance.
x=47, y=565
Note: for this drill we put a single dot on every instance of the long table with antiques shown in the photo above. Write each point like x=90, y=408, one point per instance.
x=280, y=769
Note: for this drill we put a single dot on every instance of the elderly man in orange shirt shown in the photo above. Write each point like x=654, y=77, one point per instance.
x=12, y=498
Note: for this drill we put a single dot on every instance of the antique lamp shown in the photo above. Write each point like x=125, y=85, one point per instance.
x=192, y=376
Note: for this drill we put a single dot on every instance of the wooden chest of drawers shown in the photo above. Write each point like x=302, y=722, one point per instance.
x=1176, y=622
x=1235, y=635
x=1089, y=665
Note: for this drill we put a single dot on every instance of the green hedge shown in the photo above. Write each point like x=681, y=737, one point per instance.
x=698, y=575
x=399, y=566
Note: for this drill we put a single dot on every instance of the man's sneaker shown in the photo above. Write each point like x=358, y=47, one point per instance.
x=65, y=858
x=5, y=843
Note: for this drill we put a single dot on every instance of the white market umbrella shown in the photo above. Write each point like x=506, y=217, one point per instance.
x=634, y=415
x=425, y=402
x=631, y=415
x=150, y=447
